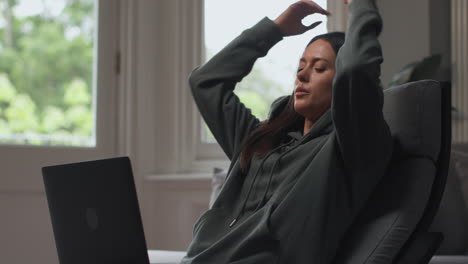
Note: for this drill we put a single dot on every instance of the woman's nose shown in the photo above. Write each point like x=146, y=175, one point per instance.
x=303, y=75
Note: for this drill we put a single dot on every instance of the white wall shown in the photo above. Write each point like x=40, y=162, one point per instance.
x=406, y=34
x=441, y=35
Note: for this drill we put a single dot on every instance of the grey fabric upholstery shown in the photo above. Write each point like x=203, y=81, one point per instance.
x=412, y=111
x=413, y=114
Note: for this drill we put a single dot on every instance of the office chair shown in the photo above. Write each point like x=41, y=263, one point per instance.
x=393, y=226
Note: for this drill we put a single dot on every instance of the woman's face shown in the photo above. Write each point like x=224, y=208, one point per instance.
x=314, y=79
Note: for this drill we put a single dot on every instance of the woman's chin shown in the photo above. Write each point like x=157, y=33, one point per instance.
x=300, y=108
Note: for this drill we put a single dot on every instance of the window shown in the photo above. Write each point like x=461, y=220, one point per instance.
x=273, y=75
x=41, y=93
x=46, y=72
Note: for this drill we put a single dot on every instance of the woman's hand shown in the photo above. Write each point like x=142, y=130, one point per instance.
x=348, y=1
x=290, y=21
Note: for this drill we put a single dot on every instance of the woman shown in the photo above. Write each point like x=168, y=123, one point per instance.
x=298, y=179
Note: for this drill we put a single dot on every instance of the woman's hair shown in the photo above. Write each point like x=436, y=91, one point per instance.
x=336, y=40
x=271, y=132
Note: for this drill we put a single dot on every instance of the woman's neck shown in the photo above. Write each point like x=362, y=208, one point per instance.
x=308, y=125
x=310, y=121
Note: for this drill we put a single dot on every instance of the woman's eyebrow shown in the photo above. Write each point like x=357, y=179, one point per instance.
x=315, y=59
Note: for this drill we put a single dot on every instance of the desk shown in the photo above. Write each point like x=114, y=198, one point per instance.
x=165, y=256
x=174, y=257
x=461, y=259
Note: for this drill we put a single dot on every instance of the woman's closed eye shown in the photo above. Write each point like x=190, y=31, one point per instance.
x=317, y=69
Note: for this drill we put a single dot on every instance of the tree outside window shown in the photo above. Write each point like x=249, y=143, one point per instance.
x=46, y=76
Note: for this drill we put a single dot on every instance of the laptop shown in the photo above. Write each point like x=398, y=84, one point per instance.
x=95, y=214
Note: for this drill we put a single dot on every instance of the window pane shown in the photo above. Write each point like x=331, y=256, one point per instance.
x=46, y=72
x=273, y=75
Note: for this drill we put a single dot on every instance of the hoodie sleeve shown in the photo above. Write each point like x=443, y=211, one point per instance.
x=213, y=83
x=363, y=135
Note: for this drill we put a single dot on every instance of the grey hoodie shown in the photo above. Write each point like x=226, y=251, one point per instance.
x=294, y=204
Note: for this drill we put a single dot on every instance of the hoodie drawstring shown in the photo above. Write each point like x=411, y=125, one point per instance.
x=262, y=201
x=241, y=212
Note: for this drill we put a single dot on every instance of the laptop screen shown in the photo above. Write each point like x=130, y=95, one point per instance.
x=94, y=211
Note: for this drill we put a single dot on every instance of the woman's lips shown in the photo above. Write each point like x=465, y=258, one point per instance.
x=300, y=91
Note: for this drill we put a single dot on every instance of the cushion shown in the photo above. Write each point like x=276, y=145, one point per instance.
x=413, y=113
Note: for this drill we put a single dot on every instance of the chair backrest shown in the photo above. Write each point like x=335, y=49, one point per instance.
x=405, y=201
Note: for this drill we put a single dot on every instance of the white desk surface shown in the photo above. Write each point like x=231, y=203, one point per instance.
x=174, y=257
x=165, y=256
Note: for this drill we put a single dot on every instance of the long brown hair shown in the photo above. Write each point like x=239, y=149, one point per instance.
x=270, y=133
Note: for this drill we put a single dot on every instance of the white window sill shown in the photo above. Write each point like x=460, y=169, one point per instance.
x=207, y=166
x=179, y=177
x=201, y=170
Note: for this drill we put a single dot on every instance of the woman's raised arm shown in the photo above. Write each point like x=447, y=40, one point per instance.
x=213, y=84
x=364, y=138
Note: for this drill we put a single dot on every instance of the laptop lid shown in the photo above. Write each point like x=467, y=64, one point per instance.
x=94, y=211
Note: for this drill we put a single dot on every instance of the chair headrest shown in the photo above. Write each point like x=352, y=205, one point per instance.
x=413, y=113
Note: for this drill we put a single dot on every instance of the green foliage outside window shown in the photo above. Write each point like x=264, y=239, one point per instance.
x=46, y=73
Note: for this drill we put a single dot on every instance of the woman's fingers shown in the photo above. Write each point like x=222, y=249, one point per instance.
x=315, y=8
x=290, y=21
x=313, y=25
